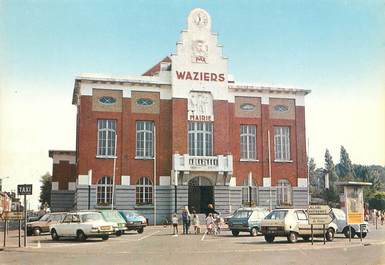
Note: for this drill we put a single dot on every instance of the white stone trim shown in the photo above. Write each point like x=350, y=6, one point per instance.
x=71, y=186
x=125, y=180
x=233, y=182
x=82, y=180
x=55, y=185
x=302, y=182
x=58, y=157
x=267, y=182
x=164, y=181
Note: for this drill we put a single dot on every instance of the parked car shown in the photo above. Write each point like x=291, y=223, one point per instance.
x=113, y=216
x=247, y=220
x=82, y=225
x=293, y=223
x=134, y=220
x=343, y=227
x=42, y=225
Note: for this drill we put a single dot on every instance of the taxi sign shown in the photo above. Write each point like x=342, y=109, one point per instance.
x=25, y=189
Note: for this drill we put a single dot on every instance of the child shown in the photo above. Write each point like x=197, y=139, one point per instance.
x=195, y=222
x=210, y=223
x=175, y=224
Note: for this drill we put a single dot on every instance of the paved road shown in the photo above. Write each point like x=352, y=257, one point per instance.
x=157, y=246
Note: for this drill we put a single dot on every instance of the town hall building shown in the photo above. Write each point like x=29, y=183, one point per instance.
x=184, y=133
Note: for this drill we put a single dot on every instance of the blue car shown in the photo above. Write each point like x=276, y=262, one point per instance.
x=134, y=220
x=247, y=220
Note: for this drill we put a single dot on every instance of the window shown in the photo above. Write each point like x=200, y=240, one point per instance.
x=68, y=218
x=144, y=139
x=282, y=143
x=200, y=139
x=106, y=138
x=248, y=142
x=284, y=192
x=144, y=191
x=104, y=191
x=249, y=194
x=276, y=215
x=301, y=215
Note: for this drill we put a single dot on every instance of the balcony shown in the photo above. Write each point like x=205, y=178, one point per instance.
x=219, y=163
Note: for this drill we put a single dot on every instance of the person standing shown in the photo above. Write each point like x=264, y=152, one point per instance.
x=382, y=217
x=195, y=222
x=175, y=224
x=185, y=221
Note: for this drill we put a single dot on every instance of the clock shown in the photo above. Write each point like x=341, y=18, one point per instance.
x=200, y=19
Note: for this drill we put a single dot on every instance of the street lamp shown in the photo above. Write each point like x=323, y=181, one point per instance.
x=1, y=182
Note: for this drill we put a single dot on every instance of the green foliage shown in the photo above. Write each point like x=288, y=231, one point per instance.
x=377, y=201
x=45, y=190
x=345, y=167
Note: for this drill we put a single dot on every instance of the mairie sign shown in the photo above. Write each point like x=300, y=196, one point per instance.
x=320, y=214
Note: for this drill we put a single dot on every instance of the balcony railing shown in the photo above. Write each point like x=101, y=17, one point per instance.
x=220, y=163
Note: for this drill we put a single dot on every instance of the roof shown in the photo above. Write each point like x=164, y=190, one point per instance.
x=51, y=153
x=267, y=88
x=156, y=68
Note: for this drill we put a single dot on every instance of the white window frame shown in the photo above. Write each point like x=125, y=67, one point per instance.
x=104, y=191
x=106, y=138
x=200, y=138
x=144, y=191
x=282, y=144
x=144, y=140
x=284, y=192
x=248, y=142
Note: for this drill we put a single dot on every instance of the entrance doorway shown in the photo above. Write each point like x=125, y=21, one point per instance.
x=200, y=194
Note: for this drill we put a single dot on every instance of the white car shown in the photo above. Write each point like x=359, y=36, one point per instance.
x=343, y=227
x=293, y=223
x=82, y=225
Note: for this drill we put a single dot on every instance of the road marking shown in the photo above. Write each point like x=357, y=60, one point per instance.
x=38, y=244
x=144, y=237
x=204, y=235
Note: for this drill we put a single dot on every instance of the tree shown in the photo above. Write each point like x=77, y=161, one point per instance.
x=45, y=190
x=330, y=195
x=345, y=167
x=377, y=201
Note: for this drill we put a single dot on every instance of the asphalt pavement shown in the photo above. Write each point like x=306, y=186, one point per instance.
x=157, y=246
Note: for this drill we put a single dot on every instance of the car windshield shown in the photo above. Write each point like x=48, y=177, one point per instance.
x=90, y=217
x=45, y=217
x=276, y=215
x=113, y=216
x=131, y=214
x=242, y=214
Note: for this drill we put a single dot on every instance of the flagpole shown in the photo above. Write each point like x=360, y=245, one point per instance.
x=154, y=174
x=113, y=174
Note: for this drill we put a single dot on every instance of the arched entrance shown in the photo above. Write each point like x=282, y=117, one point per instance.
x=200, y=194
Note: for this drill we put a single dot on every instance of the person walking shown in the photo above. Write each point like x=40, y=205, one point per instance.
x=174, y=221
x=185, y=221
x=382, y=217
x=210, y=209
x=195, y=222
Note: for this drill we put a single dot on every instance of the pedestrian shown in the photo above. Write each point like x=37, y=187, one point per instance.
x=209, y=223
x=185, y=221
x=195, y=222
x=175, y=221
x=382, y=217
x=210, y=209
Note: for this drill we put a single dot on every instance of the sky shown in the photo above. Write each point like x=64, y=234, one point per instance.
x=334, y=48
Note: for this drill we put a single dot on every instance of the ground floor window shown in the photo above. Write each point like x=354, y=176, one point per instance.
x=144, y=191
x=284, y=192
x=104, y=191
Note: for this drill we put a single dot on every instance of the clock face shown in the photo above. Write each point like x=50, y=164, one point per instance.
x=200, y=19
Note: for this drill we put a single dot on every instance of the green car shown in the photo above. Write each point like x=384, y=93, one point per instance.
x=113, y=216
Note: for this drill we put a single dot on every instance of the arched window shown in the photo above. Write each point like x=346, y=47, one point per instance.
x=249, y=193
x=143, y=191
x=284, y=192
x=104, y=191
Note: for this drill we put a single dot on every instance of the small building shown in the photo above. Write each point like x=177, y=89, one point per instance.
x=184, y=129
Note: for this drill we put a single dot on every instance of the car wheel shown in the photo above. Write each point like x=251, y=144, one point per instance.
x=106, y=237
x=330, y=234
x=140, y=230
x=54, y=235
x=235, y=233
x=269, y=238
x=306, y=238
x=254, y=232
x=81, y=236
x=364, y=234
x=347, y=232
x=118, y=233
x=36, y=231
x=292, y=237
